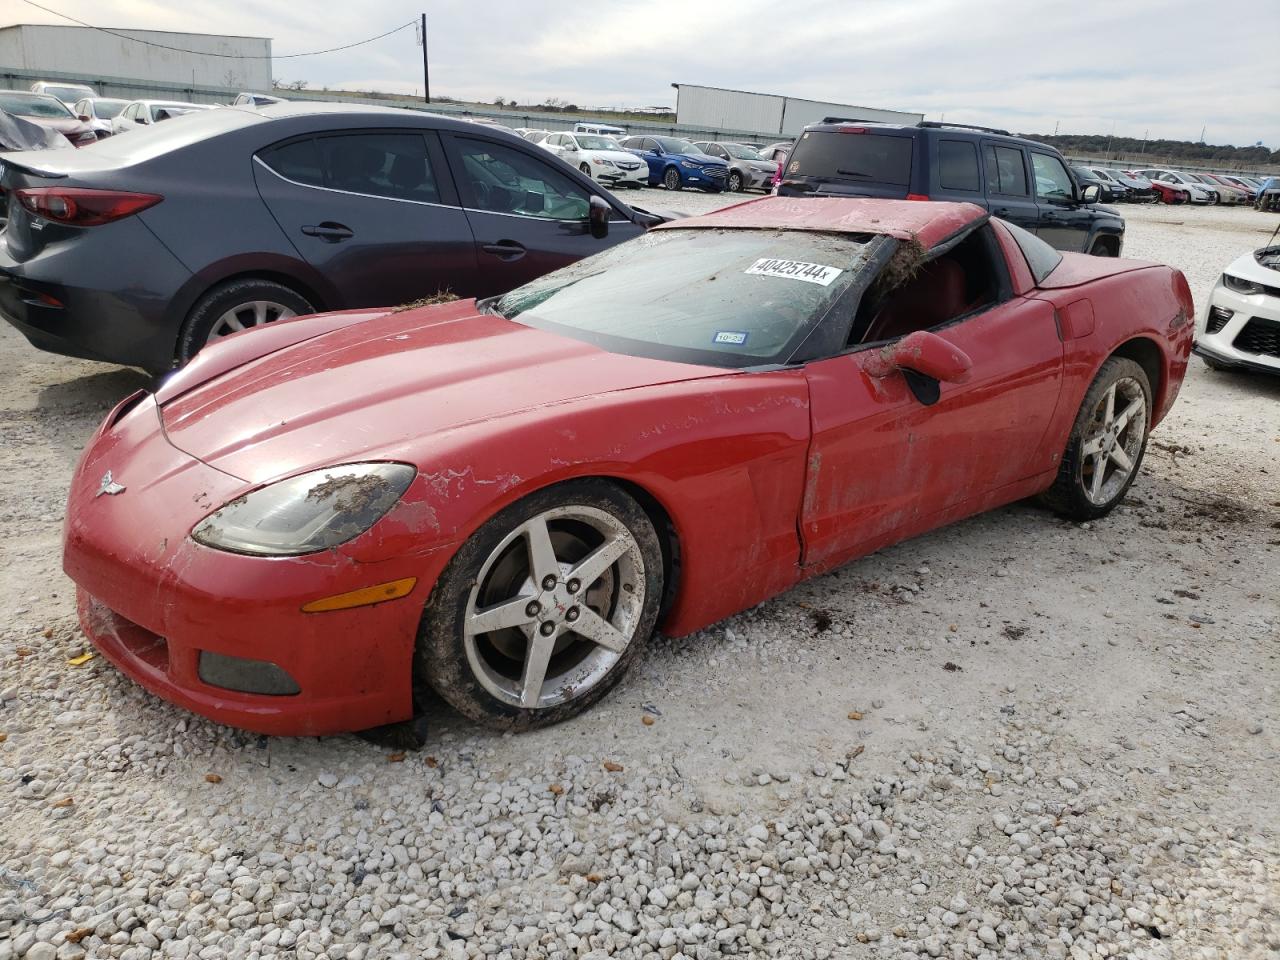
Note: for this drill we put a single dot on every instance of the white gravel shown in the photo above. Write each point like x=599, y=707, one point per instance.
x=1094, y=775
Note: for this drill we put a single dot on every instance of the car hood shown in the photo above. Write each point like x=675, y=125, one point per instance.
x=623, y=155
x=1247, y=267
x=700, y=158
x=380, y=385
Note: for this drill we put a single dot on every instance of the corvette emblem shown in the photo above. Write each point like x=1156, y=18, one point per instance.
x=109, y=486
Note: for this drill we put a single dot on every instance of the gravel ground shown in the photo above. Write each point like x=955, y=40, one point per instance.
x=1015, y=737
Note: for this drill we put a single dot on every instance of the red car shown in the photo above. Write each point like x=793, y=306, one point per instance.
x=502, y=500
x=1169, y=193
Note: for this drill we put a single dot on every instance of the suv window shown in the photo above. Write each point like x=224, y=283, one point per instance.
x=391, y=165
x=1006, y=173
x=958, y=165
x=852, y=157
x=502, y=180
x=1052, y=180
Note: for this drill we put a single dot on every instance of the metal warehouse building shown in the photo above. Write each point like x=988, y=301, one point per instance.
x=716, y=108
x=116, y=62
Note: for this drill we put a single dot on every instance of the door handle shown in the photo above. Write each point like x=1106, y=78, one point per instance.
x=505, y=250
x=329, y=231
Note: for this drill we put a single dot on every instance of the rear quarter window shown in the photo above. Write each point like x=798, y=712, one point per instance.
x=1040, y=257
x=958, y=165
x=852, y=157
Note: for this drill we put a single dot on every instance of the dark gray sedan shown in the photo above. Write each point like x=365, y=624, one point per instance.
x=146, y=247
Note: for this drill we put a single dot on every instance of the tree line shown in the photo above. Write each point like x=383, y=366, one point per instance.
x=1097, y=145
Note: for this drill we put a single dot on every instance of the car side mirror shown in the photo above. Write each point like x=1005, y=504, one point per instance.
x=83, y=117
x=925, y=359
x=598, y=214
x=139, y=119
x=1090, y=193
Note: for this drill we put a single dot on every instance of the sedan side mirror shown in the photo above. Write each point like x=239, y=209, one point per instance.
x=598, y=214
x=139, y=119
x=83, y=117
x=1091, y=193
x=925, y=359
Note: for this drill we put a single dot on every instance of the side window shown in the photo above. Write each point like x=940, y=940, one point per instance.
x=82, y=109
x=392, y=165
x=298, y=161
x=968, y=278
x=569, y=142
x=1052, y=180
x=958, y=165
x=1006, y=173
x=131, y=111
x=649, y=144
x=502, y=180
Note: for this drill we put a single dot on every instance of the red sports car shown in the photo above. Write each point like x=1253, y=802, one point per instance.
x=1170, y=194
x=502, y=500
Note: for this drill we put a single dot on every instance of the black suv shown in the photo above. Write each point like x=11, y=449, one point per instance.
x=1018, y=180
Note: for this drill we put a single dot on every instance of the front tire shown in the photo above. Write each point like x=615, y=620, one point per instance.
x=544, y=608
x=235, y=306
x=1106, y=444
x=586, y=170
x=735, y=182
x=671, y=179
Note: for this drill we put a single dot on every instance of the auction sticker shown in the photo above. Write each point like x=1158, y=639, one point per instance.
x=795, y=270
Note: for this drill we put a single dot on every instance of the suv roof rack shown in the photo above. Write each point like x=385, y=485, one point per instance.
x=850, y=120
x=963, y=126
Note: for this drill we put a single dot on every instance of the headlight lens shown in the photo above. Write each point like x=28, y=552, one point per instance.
x=692, y=164
x=1240, y=285
x=601, y=162
x=310, y=512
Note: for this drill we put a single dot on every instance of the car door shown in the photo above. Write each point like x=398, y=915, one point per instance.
x=374, y=211
x=1064, y=220
x=1008, y=188
x=528, y=215
x=883, y=465
x=651, y=154
x=569, y=152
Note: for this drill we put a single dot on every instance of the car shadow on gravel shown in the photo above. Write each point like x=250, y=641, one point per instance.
x=1248, y=382
x=96, y=390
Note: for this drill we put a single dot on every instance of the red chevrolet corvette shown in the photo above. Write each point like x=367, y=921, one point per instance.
x=502, y=500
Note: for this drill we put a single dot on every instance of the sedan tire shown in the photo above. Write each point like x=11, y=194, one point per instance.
x=235, y=306
x=735, y=182
x=544, y=608
x=1106, y=445
x=671, y=179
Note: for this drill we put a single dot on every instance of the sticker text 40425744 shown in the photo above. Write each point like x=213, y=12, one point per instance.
x=795, y=270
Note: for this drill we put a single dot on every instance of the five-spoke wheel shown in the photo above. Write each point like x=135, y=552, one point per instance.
x=546, y=605
x=1106, y=443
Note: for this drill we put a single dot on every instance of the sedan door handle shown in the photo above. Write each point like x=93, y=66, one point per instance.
x=329, y=231
x=505, y=250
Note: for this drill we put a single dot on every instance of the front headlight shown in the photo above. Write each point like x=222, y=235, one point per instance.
x=601, y=162
x=1240, y=285
x=692, y=164
x=310, y=512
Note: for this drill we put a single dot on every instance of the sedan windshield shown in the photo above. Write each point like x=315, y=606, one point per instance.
x=596, y=143
x=672, y=145
x=67, y=94
x=106, y=109
x=739, y=152
x=726, y=298
x=33, y=105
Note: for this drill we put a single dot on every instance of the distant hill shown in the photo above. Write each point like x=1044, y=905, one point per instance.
x=1096, y=145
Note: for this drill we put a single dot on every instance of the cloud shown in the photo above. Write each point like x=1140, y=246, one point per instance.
x=1164, y=66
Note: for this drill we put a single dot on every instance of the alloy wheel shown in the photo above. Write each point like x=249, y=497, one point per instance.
x=555, y=605
x=1113, y=440
x=672, y=179
x=245, y=316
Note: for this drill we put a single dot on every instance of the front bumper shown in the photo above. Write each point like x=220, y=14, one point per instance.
x=1243, y=330
x=153, y=601
x=709, y=178
x=616, y=176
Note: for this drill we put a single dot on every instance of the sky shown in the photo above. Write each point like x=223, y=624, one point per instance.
x=1135, y=67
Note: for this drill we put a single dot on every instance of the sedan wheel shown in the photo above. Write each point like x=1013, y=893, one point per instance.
x=586, y=170
x=236, y=306
x=735, y=182
x=544, y=608
x=671, y=179
x=1106, y=444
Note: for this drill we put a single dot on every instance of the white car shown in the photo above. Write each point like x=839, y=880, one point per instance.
x=1240, y=326
x=147, y=112
x=68, y=93
x=99, y=112
x=599, y=157
x=1198, y=192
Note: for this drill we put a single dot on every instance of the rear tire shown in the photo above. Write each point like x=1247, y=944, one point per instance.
x=237, y=305
x=1109, y=435
x=499, y=637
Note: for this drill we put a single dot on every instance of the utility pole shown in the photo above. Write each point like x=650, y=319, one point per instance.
x=1055, y=127
x=426, y=81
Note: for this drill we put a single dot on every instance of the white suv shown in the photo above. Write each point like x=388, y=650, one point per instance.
x=599, y=157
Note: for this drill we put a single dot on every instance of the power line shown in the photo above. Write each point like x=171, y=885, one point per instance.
x=228, y=56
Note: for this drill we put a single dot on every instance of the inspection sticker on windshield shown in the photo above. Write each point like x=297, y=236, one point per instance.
x=795, y=270
x=736, y=337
